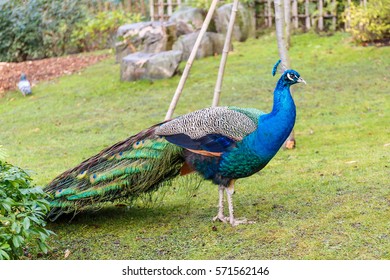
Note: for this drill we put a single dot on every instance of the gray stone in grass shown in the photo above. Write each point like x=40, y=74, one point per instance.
x=150, y=66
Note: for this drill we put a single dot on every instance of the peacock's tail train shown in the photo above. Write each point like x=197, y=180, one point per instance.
x=139, y=164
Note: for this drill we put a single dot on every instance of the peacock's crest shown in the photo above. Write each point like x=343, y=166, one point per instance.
x=275, y=68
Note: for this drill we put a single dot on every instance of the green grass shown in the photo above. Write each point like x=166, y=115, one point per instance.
x=327, y=199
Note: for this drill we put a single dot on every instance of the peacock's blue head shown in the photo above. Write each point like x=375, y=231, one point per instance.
x=292, y=77
x=23, y=77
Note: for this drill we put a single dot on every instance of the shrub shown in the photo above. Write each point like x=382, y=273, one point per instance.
x=32, y=29
x=20, y=30
x=99, y=31
x=370, y=23
x=22, y=214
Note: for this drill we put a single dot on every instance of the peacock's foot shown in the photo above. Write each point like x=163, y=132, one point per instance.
x=220, y=218
x=237, y=222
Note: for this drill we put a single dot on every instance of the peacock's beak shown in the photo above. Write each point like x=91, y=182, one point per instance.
x=300, y=80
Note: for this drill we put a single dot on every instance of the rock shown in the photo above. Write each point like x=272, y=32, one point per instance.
x=148, y=37
x=150, y=66
x=244, y=25
x=188, y=20
x=211, y=44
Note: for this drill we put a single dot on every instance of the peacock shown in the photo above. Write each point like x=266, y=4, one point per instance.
x=222, y=144
x=24, y=85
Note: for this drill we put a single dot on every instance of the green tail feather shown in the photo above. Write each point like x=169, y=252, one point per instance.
x=129, y=168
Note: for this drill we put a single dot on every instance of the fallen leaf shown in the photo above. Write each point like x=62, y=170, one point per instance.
x=67, y=253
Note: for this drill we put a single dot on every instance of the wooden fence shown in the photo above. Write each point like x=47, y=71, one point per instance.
x=162, y=9
x=305, y=14
x=131, y=6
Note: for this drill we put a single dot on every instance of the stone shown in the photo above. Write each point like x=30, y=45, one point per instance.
x=187, y=20
x=148, y=37
x=211, y=44
x=244, y=25
x=150, y=66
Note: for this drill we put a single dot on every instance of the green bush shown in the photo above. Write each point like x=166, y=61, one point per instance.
x=22, y=214
x=99, y=31
x=34, y=29
x=370, y=23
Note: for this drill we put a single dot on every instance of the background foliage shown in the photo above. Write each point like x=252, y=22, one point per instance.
x=372, y=22
x=34, y=29
x=22, y=214
x=98, y=31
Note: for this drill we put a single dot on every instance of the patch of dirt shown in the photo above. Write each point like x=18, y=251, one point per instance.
x=44, y=69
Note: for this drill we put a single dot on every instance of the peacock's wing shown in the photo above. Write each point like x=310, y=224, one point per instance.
x=136, y=165
x=214, y=130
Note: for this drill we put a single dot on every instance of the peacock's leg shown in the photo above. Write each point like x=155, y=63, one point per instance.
x=229, y=192
x=220, y=215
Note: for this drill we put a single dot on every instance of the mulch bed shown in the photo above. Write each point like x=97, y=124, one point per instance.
x=44, y=69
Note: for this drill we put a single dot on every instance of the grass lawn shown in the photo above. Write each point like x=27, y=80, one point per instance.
x=327, y=199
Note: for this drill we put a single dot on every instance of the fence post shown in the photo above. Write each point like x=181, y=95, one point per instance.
x=307, y=15
x=151, y=5
x=320, y=15
x=334, y=15
x=269, y=8
x=348, y=15
x=169, y=7
x=161, y=10
x=295, y=13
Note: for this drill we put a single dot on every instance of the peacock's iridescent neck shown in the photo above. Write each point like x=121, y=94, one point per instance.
x=274, y=127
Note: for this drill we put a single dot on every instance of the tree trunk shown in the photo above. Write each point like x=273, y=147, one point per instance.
x=283, y=54
x=287, y=21
x=280, y=36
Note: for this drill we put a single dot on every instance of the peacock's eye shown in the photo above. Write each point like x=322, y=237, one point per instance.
x=291, y=76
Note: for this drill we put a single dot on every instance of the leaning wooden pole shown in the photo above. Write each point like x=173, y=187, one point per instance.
x=226, y=48
x=191, y=59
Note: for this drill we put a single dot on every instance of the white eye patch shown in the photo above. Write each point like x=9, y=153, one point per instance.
x=289, y=77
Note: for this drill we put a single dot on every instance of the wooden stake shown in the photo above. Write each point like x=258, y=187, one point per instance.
x=169, y=7
x=191, y=59
x=151, y=5
x=295, y=13
x=348, y=16
x=226, y=48
x=307, y=15
x=269, y=8
x=320, y=15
